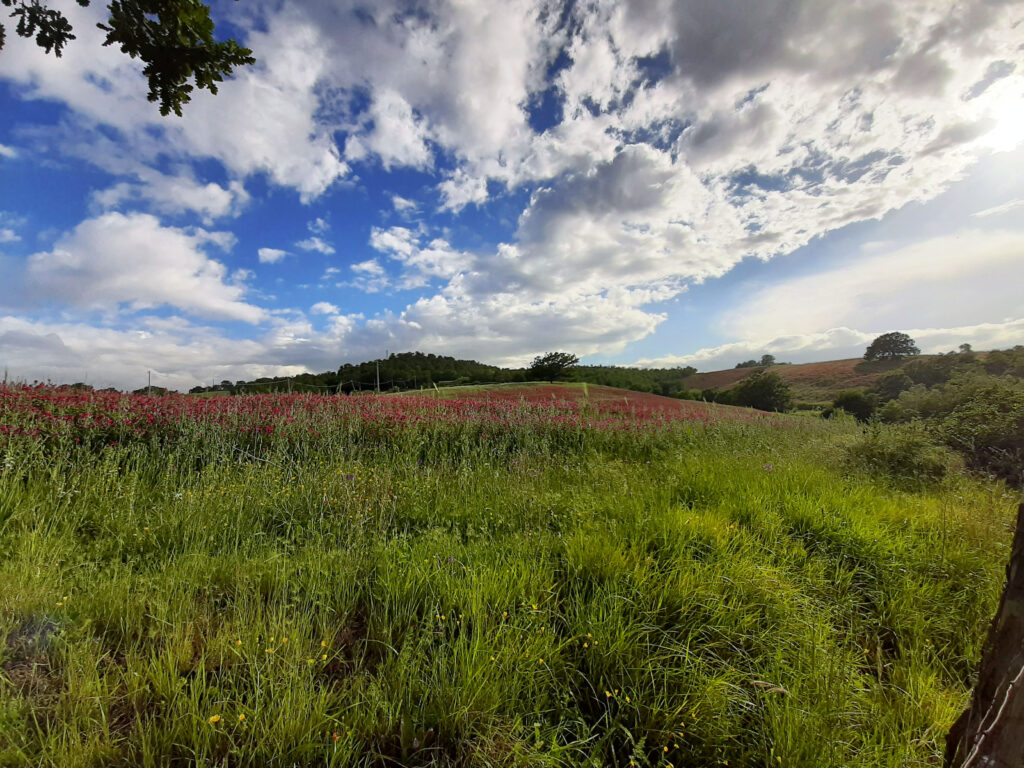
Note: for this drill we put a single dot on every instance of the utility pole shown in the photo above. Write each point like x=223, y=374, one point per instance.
x=378, y=377
x=149, y=385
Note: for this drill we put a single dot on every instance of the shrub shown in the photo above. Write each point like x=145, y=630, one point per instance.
x=987, y=427
x=765, y=390
x=857, y=403
x=891, y=385
x=904, y=456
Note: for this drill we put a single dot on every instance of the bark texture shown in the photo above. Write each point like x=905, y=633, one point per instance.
x=990, y=732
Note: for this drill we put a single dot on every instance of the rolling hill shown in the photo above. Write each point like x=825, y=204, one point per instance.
x=811, y=382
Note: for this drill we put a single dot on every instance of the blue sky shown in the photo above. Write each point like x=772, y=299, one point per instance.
x=655, y=183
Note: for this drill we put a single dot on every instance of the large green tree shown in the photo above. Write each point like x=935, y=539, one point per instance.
x=891, y=345
x=552, y=365
x=173, y=38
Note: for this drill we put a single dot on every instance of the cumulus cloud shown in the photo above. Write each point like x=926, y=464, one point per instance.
x=179, y=354
x=324, y=308
x=176, y=195
x=419, y=261
x=9, y=152
x=398, y=135
x=8, y=235
x=657, y=144
x=317, y=244
x=271, y=108
x=271, y=255
x=132, y=260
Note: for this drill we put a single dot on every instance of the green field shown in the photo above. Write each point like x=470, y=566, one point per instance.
x=691, y=595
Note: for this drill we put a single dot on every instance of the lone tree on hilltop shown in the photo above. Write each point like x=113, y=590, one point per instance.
x=890, y=346
x=552, y=365
x=173, y=38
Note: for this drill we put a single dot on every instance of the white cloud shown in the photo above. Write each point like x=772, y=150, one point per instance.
x=117, y=259
x=398, y=136
x=180, y=354
x=679, y=138
x=271, y=255
x=315, y=244
x=403, y=204
x=842, y=344
x=461, y=189
x=176, y=195
x=271, y=108
x=420, y=263
x=324, y=308
x=962, y=279
x=370, y=277
x=9, y=152
x=999, y=210
x=8, y=235
x=368, y=267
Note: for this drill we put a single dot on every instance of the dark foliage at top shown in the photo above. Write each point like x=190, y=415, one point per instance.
x=173, y=38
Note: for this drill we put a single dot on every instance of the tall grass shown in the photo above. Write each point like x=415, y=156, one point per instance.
x=345, y=593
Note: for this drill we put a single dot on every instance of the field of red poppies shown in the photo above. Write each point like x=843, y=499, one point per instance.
x=55, y=413
x=608, y=400
x=523, y=576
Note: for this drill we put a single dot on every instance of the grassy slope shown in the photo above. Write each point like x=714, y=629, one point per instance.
x=811, y=382
x=716, y=596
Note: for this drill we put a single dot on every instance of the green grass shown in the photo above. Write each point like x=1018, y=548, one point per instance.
x=730, y=596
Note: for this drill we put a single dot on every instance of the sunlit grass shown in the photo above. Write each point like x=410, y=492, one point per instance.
x=699, y=596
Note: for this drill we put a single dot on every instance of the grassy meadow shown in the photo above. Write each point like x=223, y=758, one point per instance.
x=408, y=582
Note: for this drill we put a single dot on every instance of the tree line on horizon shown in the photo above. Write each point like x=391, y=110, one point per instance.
x=406, y=371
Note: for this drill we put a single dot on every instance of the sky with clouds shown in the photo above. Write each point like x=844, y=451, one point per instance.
x=661, y=182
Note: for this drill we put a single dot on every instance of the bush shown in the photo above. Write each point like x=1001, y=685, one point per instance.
x=891, y=385
x=987, y=427
x=904, y=456
x=765, y=390
x=687, y=394
x=856, y=403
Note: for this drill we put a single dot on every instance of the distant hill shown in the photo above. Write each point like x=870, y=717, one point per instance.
x=810, y=382
x=405, y=371
x=815, y=383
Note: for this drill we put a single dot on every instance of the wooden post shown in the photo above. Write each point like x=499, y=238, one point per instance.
x=990, y=732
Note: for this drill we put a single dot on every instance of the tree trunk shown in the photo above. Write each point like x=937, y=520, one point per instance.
x=990, y=732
